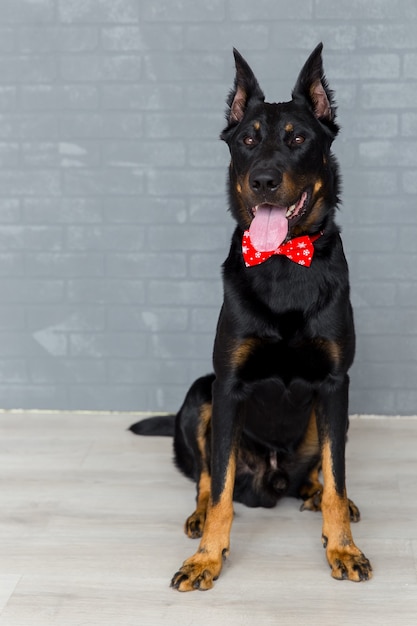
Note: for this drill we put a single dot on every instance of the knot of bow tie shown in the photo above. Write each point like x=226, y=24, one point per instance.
x=299, y=250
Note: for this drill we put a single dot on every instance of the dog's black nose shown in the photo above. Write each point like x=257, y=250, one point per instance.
x=264, y=181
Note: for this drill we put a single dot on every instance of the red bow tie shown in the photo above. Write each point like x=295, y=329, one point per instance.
x=300, y=250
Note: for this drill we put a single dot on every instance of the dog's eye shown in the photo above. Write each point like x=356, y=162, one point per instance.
x=297, y=140
x=249, y=141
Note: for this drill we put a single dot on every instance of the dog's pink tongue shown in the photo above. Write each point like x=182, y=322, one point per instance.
x=269, y=227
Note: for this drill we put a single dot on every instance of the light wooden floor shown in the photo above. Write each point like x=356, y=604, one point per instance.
x=91, y=532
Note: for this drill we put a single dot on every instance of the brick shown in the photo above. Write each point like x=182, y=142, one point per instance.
x=409, y=182
x=59, y=154
x=31, y=290
x=377, y=9
x=374, y=266
x=64, y=318
x=12, y=317
x=365, y=66
x=335, y=36
x=67, y=371
x=169, y=396
x=373, y=293
x=93, y=182
x=7, y=98
x=407, y=402
x=59, y=97
x=149, y=211
x=372, y=125
x=150, y=319
x=7, y=40
x=9, y=210
x=167, y=182
x=406, y=292
x=62, y=210
x=9, y=154
x=387, y=96
x=267, y=11
x=410, y=63
x=23, y=183
x=58, y=39
x=206, y=265
x=106, y=345
x=12, y=264
x=42, y=397
x=409, y=124
x=142, y=97
x=387, y=35
x=147, y=265
x=207, y=154
x=382, y=401
x=384, y=320
x=100, y=126
x=123, y=39
x=185, y=292
x=96, y=397
x=209, y=211
x=180, y=67
x=27, y=11
x=184, y=11
x=213, y=36
x=181, y=345
x=13, y=371
x=374, y=210
x=143, y=154
x=105, y=238
x=386, y=153
x=105, y=291
x=376, y=375
x=31, y=238
x=163, y=36
x=65, y=265
x=87, y=68
x=204, y=319
x=27, y=69
x=183, y=126
x=131, y=373
x=107, y=11
x=382, y=182
x=190, y=238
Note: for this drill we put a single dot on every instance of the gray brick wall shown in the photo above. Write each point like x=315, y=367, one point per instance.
x=113, y=222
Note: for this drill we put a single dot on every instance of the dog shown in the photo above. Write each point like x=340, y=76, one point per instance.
x=274, y=415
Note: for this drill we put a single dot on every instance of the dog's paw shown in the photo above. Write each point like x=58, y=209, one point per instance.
x=349, y=564
x=313, y=502
x=197, y=572
x=194, y=525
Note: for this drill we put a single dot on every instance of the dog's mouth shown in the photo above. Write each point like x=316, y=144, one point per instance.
x=271, y=222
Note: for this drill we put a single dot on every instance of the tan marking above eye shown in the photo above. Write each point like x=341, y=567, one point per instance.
x=289, y=128
x=257, y=125
x=317, y=186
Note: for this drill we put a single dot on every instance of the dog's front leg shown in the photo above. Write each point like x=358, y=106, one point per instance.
x=344, y=557
x=201, y=569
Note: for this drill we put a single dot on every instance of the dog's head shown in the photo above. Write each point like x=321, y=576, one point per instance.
x=283, y=177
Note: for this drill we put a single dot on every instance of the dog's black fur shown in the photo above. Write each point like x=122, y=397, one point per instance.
x=275, y=411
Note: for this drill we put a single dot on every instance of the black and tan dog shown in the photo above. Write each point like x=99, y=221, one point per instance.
x=275, y=412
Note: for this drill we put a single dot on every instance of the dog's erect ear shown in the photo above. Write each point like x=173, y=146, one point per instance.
x=246, y=88
x=312, y=86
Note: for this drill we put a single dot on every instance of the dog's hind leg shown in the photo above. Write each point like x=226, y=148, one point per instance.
x=194, y=524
